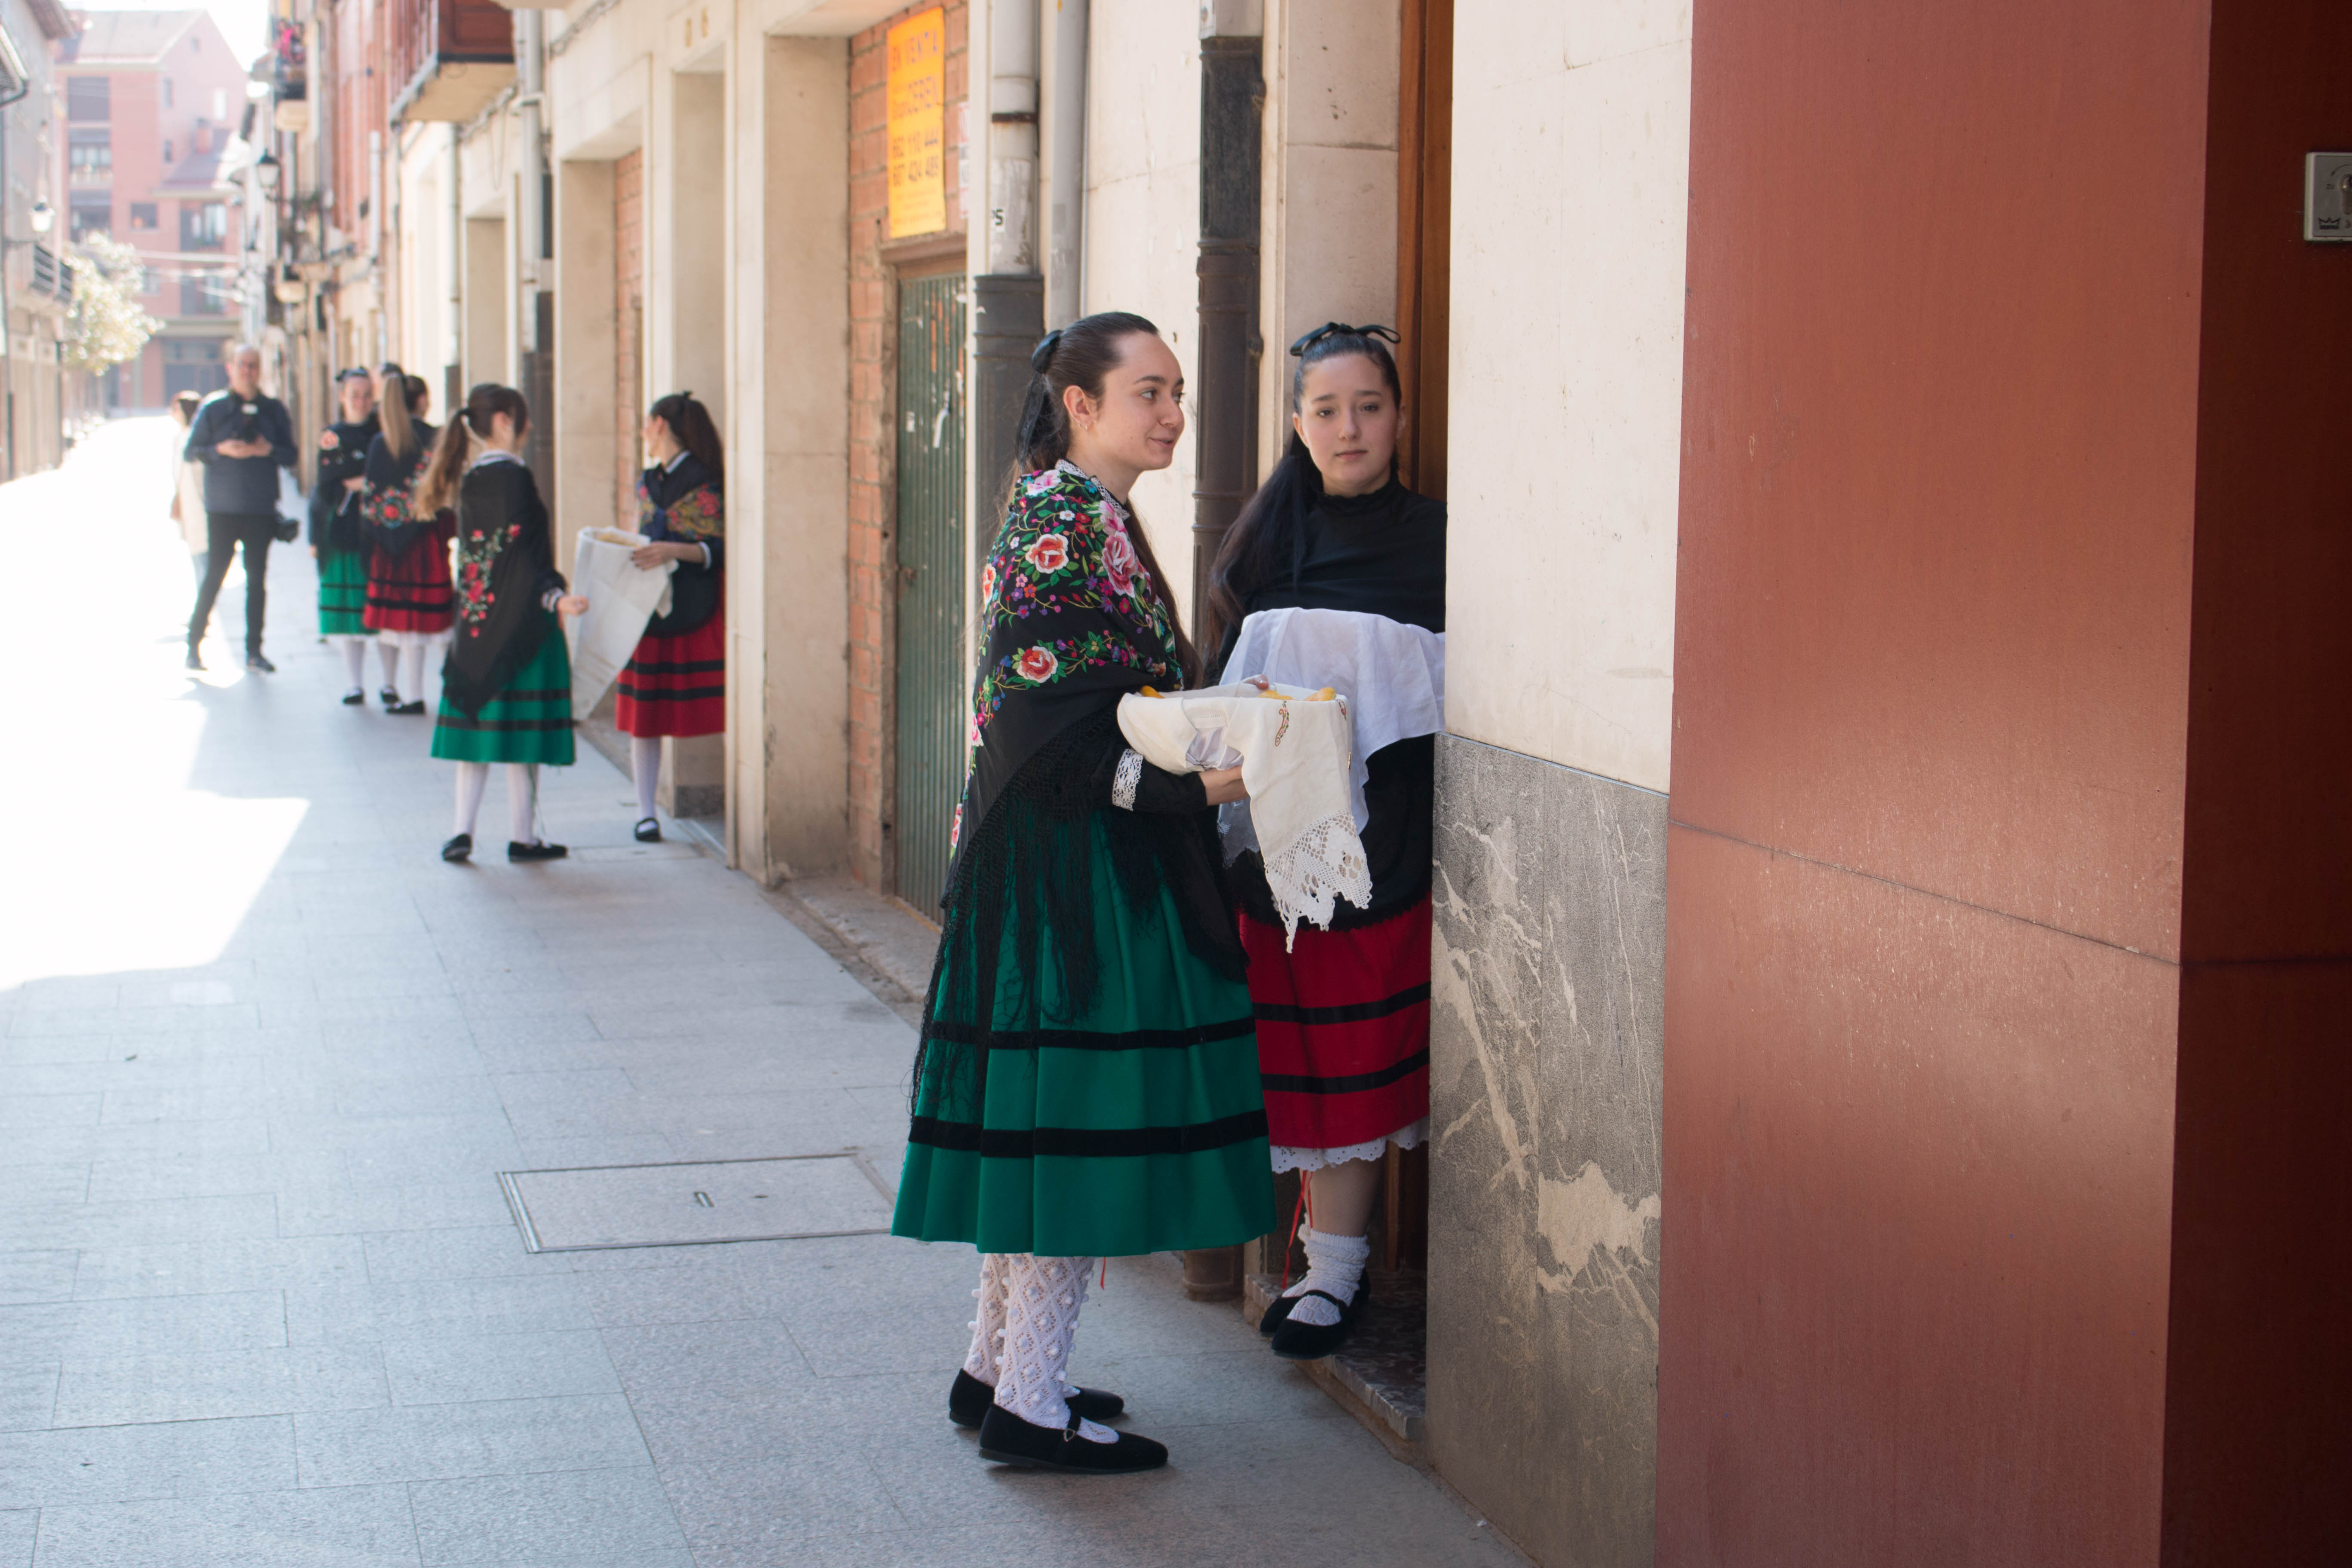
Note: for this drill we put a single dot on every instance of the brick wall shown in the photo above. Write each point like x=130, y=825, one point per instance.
x=872, y=338
x=629, y=329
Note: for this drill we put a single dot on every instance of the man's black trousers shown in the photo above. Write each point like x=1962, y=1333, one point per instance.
x=224, y=531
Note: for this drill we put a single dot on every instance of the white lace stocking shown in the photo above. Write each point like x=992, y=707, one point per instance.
x=1041, y=1320
x=1334, y=1263
x=987, y=1328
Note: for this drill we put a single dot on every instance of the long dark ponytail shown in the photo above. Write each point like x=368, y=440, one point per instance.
x=1083, y=354
x=484, y=404
x=691, y=423
x=1269, y=537
x=393, y=411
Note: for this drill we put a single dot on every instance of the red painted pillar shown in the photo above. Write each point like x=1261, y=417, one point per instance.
x=2010, y=889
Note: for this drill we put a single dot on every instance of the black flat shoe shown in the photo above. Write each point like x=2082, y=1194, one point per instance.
x=195, y=660
x=355, y=698
x=970, y=1400
x=259, y=665
x=388, y=697
x=458, y=848
x=648, y=831
x=1277, y=1314
x=1295, y=1341
x=405, y=708
x=1007, y=1439
x=536, y=851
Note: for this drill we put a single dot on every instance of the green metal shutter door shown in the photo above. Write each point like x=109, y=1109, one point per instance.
x=934, y=668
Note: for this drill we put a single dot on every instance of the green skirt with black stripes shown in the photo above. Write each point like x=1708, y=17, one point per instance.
x=342, y=593
x=530, y=720
x=1135, y=1126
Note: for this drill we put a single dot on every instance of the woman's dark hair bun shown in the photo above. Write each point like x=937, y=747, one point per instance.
x=1040, y=358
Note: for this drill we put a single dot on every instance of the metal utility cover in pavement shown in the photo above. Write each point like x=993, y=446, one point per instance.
x=792, y=1197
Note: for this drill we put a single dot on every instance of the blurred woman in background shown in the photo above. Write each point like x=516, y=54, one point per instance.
x=411, y=600
x=676, y=683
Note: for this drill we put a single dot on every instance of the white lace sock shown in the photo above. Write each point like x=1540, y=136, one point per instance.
x=411, y=684
x=1041, y=1320
x=388, y=656
x=354, y=659
x=522, y=802
x=473, y=778
x=987, y=1328
x=644, y=765
x=1334, y=1263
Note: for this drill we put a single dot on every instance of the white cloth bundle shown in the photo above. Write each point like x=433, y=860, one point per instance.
x=1393, y=674
x=1294, y=755
x=622, y=597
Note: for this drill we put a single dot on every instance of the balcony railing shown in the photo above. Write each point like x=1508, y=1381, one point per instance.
x=448, y=59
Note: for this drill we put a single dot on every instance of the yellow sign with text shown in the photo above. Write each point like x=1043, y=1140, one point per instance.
x=917, y=96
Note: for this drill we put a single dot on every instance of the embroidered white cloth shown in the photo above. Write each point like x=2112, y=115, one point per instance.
x=622, y=597
x=1294, y=753
x=1393, y=674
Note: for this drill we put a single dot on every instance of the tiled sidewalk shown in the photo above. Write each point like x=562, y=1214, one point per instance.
x=261, y=1301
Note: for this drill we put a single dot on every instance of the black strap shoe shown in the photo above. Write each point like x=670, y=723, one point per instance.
x=519, y=852
x=1007, y=1439
x=405, y=708
x=388, y=697
x=355, y=698
x=259, y=665
x=648, y=831
x=1295, y=1341
x=1277, y=1314
x=969, y=1401
x=458, y=848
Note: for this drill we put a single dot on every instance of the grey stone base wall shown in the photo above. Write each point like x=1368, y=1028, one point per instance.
x=1546, y=1086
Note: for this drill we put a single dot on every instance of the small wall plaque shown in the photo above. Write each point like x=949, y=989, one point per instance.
x=2327, y=198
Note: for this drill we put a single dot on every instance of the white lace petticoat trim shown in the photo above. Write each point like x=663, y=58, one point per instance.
x=1289, y=1159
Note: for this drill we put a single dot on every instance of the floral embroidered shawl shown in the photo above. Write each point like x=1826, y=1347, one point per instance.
x=505, y=565
x=1072, y=622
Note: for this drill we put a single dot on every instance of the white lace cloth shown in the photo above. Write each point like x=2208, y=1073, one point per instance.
x=1393, y=674
x=1293, y=756
x=1289, y=1159
x=622, y=597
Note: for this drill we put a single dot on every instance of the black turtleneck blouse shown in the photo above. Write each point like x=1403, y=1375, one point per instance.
x=1382, y=554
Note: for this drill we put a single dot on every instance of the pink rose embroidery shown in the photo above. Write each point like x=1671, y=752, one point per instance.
x=1119, y=561
x=1050, y=553
x=1040, y=482
x=988, y=582
x=1037, y=663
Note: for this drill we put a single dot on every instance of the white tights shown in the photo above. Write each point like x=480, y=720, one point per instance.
x=410, y=683
x=644, y=765
x=1021, y=1340
x=523, y=798
x=354, y=652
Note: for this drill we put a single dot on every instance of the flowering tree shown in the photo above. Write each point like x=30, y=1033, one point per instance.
x=107, y=326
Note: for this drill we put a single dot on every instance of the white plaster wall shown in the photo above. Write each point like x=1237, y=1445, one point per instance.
x=1571, y=139
x=1327, y=235
x=1143, y=215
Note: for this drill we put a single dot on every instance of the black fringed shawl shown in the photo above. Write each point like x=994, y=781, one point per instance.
x=334, y=510
x=387, y=504
x=506, y=566
x=1382, y=554
x=682, y=504
x=1073, y=623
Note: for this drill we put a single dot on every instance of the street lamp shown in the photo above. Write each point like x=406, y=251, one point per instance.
x=265, y=171
x=43, y=215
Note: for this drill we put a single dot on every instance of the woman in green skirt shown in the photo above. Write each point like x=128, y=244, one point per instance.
x=1088, y=1080
x=506, y=690
x=336, y=541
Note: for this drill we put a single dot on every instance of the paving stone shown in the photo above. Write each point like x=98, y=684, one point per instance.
x=28, y=1391
x=36, y=1276
x=139, y=1326
x=343, y=1527
x=343, y=1208
x=279, y=1382
x=488, y=1438
x=125, y=1464
x=211, y=1268
x=222, y=1176
x=474, y=1253
x=583, y=1519
x=20, y=1109
x=457, y=1368
x=370, y=1314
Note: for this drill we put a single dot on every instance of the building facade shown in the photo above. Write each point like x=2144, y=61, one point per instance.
x=37, y=405
x=155, y=109
x=1891, y=948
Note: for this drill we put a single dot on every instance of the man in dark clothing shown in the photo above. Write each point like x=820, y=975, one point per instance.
x=243, y=438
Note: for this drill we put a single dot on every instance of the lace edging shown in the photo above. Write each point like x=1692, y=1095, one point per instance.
x=1322, y=865
x=1125, y=781
x=1289, y=1159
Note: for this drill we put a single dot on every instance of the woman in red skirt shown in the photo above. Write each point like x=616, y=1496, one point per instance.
x=1342, y=1014
x=410, y=601
x=676, y=683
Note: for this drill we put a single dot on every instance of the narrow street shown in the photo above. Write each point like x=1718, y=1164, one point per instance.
x=263, y=1058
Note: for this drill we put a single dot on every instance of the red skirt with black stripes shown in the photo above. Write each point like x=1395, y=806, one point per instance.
x=676, y=686
x=1342, y=1028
